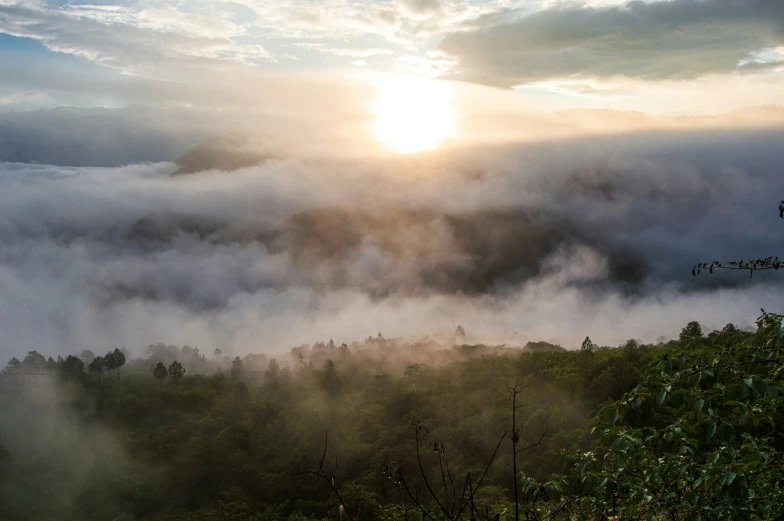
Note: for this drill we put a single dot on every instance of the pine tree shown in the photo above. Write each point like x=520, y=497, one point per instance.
x=176, y=371
x=160, y=373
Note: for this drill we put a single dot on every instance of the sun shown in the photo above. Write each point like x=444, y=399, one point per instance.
x=413, y=115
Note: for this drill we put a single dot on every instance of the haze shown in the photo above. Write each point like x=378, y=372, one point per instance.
x=533, y=170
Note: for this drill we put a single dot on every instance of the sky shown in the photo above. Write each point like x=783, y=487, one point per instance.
x=663, y=56
x=254, y=175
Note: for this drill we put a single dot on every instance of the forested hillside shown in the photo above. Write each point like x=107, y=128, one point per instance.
x=80, y=441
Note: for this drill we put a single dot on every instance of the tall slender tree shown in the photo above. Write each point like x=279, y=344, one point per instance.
x=98, y=366
x=160, y=373
x=176, y=371
x=119, y=361
x=110, y=362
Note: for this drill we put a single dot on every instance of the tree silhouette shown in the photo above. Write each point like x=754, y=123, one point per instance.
x=586, y=349
x=110, y=361
x=119, y=361
x=98, y=366
x=176, y=371
x=274, y=368
x=73, y=368
x=237, y=367
x=330, y=381
x=34, y=360
x=160, y=373
x=692, y=331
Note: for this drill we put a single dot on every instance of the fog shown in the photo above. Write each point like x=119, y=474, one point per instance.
x=550, y=241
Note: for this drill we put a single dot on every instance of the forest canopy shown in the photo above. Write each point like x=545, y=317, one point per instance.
x=691, y=428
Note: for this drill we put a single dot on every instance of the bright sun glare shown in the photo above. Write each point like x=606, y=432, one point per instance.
x=413, y=115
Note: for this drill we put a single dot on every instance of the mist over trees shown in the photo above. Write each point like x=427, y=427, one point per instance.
x=392, y=429
x=239, y=441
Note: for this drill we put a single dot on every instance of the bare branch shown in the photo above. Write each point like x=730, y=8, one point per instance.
x=424, y=475
x=321, y=473
x=533, y=444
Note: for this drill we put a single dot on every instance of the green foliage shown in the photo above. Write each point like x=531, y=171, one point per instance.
x=693, y=427
x=699, y=438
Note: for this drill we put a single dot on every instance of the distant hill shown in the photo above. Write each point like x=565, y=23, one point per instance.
x=225, y=153
x=542, y=347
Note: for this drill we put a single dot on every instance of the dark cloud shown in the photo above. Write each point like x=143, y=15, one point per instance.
x=658, y=40
x=422, y=6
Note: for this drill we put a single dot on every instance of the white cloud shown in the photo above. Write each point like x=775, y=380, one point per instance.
x=543, y=240
x=118, y=38
x=352, y=52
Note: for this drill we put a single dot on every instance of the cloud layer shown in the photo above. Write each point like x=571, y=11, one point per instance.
x=678, y=39
x=552, y=241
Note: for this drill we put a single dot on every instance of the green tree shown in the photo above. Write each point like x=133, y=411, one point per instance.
x=692, y=331
x=586, y=350
x=699, y=438
x=160, y=373
x=176, y=371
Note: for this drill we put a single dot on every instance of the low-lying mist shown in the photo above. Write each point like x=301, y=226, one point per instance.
x=555, y=241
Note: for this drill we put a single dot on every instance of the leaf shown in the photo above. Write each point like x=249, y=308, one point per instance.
x=710, y=432
x=749, y=383
x=698, y=406
x=614, y=416
x=619, y=445
x=729, y=478
x=660, y=397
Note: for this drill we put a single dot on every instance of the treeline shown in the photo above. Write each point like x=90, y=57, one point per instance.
x=228, y=445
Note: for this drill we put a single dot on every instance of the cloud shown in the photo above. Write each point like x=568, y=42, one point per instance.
x=552, y=241
x=353, y=52
x=422, y=6
x=128, y=41
x=97, y=137
x=677, y=39
x=148, y=38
